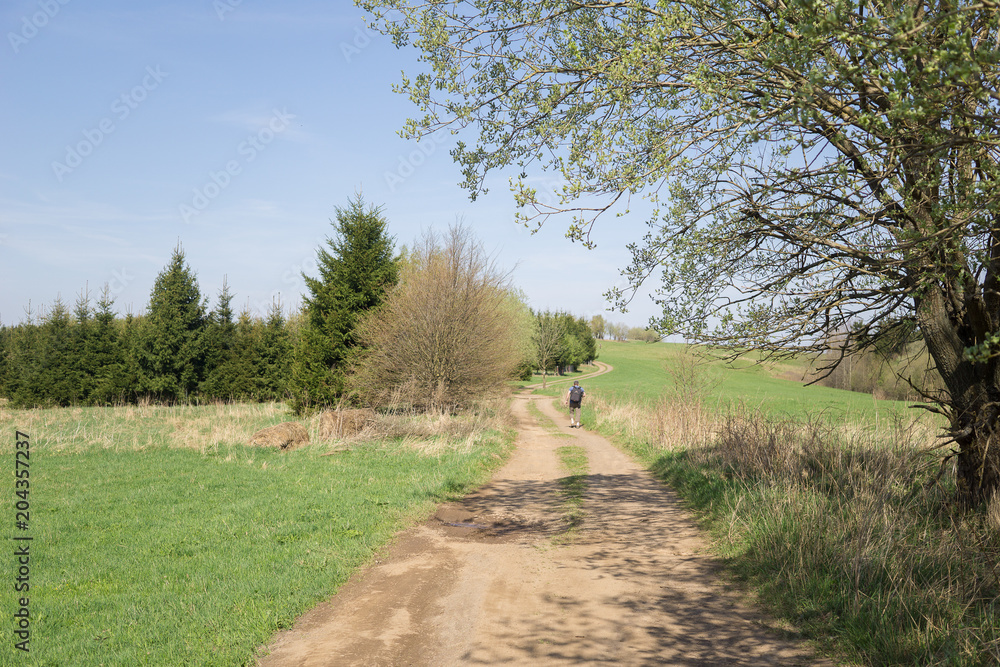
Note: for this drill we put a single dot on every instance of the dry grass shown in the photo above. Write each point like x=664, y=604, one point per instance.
x=206, y=428
x=670, y=424
x=429, y=433
x=138, y=427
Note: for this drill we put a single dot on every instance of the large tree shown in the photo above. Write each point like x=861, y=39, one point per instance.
x=810, y=163
x=354, y=273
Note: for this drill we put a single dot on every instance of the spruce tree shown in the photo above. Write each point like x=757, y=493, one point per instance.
x=219, y=340
x=275, y=353
x=171, y=351
x=22, y=362
x=82, y=366
x=245, y=365
x=354, y=274
x=105, y=349
x=54, y=379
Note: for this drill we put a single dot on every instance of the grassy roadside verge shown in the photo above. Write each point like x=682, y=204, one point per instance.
x=158, y=538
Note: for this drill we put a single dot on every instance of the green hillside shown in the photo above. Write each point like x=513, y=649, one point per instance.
x=646, y=371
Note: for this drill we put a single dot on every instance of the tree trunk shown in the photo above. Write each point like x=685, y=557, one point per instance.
x=978, y=470
x=973, y=404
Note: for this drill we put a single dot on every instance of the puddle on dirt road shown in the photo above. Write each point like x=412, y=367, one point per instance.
x=488, y=526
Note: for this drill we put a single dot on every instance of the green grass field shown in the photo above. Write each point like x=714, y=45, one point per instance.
x=159, y=539
x=644, y=372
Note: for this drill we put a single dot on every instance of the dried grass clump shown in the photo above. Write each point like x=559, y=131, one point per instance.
x=205, y=428
x=285, y=436
x=345, y=422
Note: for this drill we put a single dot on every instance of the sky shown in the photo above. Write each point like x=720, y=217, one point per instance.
x=235, y=128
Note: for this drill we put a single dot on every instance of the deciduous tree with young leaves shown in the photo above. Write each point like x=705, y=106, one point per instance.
x=451, y=333
x=809, y=163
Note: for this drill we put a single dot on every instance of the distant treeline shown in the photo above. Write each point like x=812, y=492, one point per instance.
x=559, y=342
x=177, y=351
x=340, y=348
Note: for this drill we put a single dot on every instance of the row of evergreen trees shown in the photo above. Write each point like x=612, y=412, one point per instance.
x=180, y=351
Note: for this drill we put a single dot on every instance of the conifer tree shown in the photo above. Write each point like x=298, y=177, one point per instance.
x=170, y=349
x=130, y=332
x=354, y=274
x=219, y=342
x=82, y=367
x=275, y=354
x=111, y=382
x=52, y=378
x=22, y=361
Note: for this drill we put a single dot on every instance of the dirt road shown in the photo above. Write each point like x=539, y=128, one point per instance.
x=496, y=579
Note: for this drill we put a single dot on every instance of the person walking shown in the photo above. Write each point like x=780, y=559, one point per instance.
x=575, y=397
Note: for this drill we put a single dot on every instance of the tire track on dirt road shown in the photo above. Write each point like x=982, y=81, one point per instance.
x=484, y=582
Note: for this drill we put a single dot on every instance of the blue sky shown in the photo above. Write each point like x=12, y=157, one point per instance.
x=234, y=127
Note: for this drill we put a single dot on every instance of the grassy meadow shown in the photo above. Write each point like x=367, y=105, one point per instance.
x=159, y=538
x=829, y=506
x=648, y=371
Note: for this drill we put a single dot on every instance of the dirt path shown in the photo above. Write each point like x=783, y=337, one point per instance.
x=496, y=579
